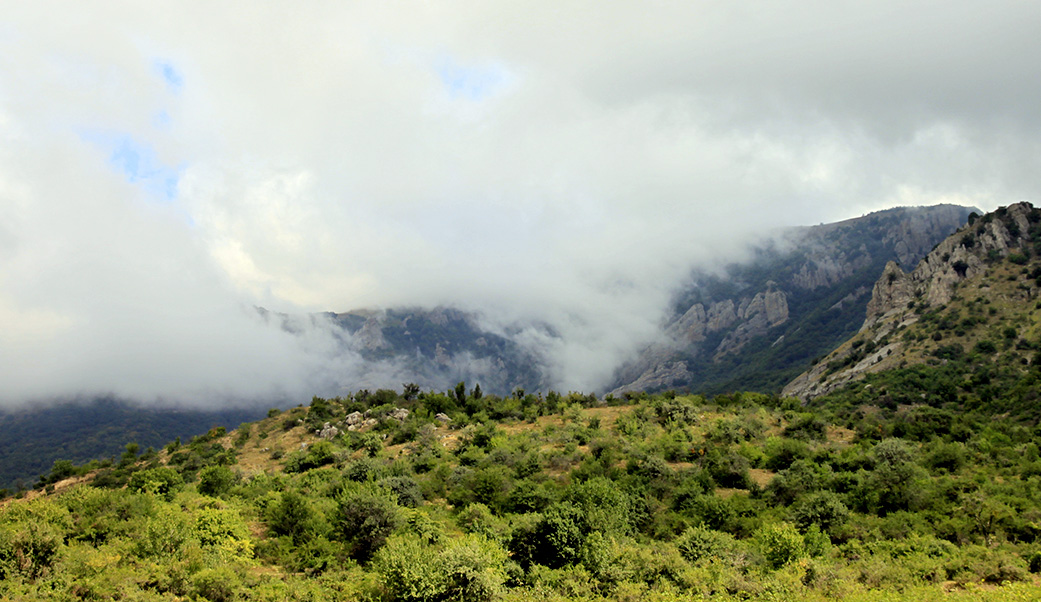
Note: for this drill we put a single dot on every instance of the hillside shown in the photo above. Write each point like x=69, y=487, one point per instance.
x=753, y=328
x=762, y=322
x=462, y=496
x=968, y=317
x=436, y=348
x=33, y=438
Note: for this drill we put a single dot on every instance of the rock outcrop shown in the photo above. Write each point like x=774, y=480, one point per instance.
x=805, y=291
x=898, y=299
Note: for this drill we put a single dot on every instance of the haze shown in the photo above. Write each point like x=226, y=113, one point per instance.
x=166, y=167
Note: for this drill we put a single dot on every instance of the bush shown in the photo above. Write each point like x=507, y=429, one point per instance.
x=216, y=585
x=162, y=481
x=780, y=544
x=468, y=569
x=216, y=480
x=28, y=549
x=697, y=543
x=366, y=517
x=319, y=454
x=290, y=516
x=823, y=509
x=406, y=489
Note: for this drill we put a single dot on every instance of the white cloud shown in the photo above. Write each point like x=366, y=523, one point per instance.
x=564, y=163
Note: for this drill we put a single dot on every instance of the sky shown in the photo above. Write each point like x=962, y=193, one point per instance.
x=166, y=167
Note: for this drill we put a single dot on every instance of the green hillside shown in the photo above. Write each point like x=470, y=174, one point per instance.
x=476, y=497
x=911, y=471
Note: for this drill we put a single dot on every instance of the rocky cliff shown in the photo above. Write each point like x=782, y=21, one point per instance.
x=984, y=261
x=765, y=320
x=435, y=348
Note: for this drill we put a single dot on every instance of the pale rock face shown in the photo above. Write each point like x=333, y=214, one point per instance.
x=661, y=376
x=371, y=335
x=761, y=313
x=722, y=324
x=696, y=323
x=933, y=283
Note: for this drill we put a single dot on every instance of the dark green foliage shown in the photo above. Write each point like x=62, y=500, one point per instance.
x=31, y=441
x=365, y=518
x=807, y=427
x=405, y=488
x=216, y=480
x=162, y=481
x=290, y=516
x=318, y=454
x=823, y=509
x=555, y=540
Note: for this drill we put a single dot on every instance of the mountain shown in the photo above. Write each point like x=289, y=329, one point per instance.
x=437, y=348
x=754, y=327
x=32, y=439
x=761, y=322
x=965, y=324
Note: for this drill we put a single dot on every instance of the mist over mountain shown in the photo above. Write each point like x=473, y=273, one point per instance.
x=166, y=169
x=756, y=324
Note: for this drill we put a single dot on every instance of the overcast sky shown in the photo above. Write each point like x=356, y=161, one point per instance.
x=165, y=166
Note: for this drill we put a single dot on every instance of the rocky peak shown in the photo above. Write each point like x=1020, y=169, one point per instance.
x=899, y=298
x=371, y=335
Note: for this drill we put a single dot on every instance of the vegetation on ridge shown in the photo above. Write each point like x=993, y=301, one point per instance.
x=477, y=497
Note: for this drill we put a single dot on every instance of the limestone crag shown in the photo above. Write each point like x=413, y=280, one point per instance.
x=804, y=291
x=898, y=298
x=763, y=312
x=371, y=335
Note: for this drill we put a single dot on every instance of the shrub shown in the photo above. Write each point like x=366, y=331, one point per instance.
x=290, y=516
x=165, y=533
x=366, y=517
x=405, y=488
x=28, y=549
x=697, y=543
x=162, y=481
x=467, y=569
x=319, y=454
x=780, y=544
x=216, y=480
x=217, y=584
x=823, y=509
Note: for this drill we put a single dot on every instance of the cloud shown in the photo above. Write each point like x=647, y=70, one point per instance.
x=563, y=165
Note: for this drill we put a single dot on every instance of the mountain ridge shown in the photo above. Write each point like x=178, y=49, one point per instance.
x=803, y=293
x=936, y=311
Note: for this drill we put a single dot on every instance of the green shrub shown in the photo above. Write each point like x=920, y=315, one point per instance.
x=162, y=481
x=216, y=480
x=780, y=544
x=823, y=509
x=697, y=543
x=319, y=454
x=28, y=549
x=290, y=516
x=216, y=585
x=468, y=569
x=366, y=517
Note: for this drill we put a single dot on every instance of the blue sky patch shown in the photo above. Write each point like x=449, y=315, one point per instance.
x=471, y=82
x=138, y=163
x=173, y=78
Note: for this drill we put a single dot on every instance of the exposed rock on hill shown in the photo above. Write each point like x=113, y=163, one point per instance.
x=806, y=290
x=435, y=349
x=985, y=262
